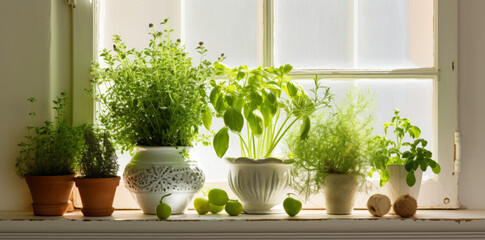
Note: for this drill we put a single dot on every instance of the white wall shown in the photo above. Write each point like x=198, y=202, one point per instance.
x=35, y=33
x=27, y=47
x=471, y=102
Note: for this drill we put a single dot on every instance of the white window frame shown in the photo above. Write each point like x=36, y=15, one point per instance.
x=439, y=192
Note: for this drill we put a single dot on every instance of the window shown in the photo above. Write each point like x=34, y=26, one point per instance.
x=403, y=50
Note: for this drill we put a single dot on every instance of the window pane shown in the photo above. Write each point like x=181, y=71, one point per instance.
x=354, y=34
x=232, y=27
x=130, y=19
x=313, y=33
x=394, y=34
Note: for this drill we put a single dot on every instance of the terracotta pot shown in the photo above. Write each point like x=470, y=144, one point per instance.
x=50, y=194
x=97, y=195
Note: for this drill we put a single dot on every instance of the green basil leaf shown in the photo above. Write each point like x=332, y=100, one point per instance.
x=234, y=120
x=221, y=142
x=411, y=179
x=207, y=118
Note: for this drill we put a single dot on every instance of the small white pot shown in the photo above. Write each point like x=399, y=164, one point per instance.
x=397, y=186
x=339, y=191
x=156, y=171
x=259, y=184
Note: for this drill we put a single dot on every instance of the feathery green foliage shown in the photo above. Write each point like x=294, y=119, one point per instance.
x=337, y=143
x=154, y=96
x=52, y=149
x=99, y=157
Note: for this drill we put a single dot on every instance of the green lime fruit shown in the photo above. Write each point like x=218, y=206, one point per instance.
x=215, y=209
x=233, y=207
x=202, y=205
x=292, y=206
x=163, y=210
x=218, y=197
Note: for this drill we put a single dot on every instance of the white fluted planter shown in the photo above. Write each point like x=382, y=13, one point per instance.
x=156, y=171
x=259, y=184
x=397, y=186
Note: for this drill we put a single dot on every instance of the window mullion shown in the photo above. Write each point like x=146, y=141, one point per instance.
x=268, y=33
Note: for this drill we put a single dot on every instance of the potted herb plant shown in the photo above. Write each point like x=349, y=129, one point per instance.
x=401, y=169
x=153, y=101
x=334, y=156
x=256, y=99
x=98, y=168
x=48, y=159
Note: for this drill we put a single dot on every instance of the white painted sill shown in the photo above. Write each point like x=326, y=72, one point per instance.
x=308, y=224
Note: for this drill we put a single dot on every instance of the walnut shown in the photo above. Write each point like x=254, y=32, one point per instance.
x=379, y=205
x=405, y=206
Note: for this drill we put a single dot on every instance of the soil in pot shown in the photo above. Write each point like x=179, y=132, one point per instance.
x=97, y=195
x=50, y=194
x=339, y=190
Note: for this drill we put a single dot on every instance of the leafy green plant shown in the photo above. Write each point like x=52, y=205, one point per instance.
x=154, y=96
x=338, y=143
x=255, y=97
x=52, y=149
x=389, y=152
x=99, y=157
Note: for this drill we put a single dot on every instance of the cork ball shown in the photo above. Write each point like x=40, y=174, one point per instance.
x=405, y=206
x=379, y=205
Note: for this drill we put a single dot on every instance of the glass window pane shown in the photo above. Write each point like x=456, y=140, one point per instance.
x=313, y=33
x=232, y=27
x=354, y=34
x=394, y=34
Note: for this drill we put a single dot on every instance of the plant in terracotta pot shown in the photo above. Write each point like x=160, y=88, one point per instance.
x=268, y=103
x=48, y=160
x=334, y=156
x=98, y=168
x=153, y=102
x=401, y=163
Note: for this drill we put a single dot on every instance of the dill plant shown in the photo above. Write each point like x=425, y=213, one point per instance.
x=154, y=96
x=99, y=157
x=52, y=149
x=338, y=143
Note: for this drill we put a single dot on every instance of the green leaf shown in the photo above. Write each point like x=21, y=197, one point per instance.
x=255, y=122
x=409, y=165
x=214, y=95
x=415, y=132
x=410, y=179
x=221, y=142
x=305, y=128
x=291, y=89
x=240, y=75
x=234, y=120
x=285, y=69
x=220, y=106
x=436, y=168
x=207, y=118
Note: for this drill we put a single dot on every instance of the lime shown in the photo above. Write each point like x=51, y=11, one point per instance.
x=163, y=210
x=233, y=207
x=215, y=209
x=218, y=197
x=201, y=205
x=292, y=206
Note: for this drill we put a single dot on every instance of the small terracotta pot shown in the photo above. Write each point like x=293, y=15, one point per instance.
x=50, y=194
x=97, y=195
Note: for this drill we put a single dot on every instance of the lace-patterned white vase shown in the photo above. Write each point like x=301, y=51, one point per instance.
x=156, y=171
x=259, y=184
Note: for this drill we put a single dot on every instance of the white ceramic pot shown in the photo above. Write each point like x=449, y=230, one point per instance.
x=397, y=186
x=156, y=171
x=339, y=191
x=259, y=184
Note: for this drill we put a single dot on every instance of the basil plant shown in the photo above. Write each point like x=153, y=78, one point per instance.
x=265, y=100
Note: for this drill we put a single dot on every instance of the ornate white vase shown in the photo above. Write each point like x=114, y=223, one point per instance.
x=259, y=184
x=397, y=186
x=156, y=171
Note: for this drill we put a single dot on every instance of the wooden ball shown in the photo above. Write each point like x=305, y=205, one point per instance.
x=379, y=205
x=405, y=206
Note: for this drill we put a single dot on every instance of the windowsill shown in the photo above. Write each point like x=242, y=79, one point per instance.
x=313, y=222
